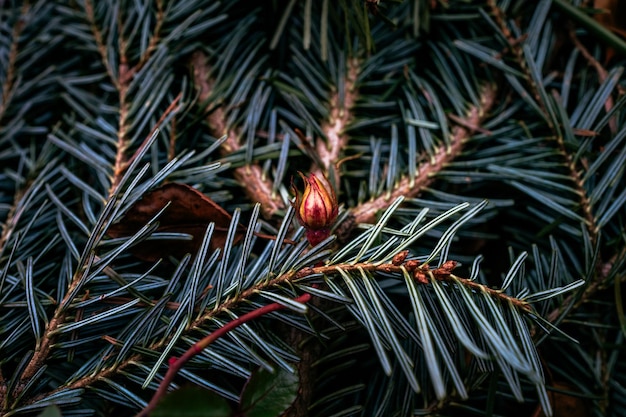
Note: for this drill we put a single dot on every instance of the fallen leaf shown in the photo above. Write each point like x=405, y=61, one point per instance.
x=585, y=132
x=612, y=17
x=189, y=212
x=565, y=404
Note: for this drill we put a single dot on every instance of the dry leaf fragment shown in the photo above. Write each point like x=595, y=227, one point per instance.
x=565, y=404
x=189, y=211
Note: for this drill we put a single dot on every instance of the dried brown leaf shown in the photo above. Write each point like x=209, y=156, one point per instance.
x=189, y=211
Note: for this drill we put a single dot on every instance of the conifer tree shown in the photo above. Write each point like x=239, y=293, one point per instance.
x=312, y=208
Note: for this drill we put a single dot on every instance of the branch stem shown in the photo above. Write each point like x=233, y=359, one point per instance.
x=341, y=105
x=8, y=85
x=442, y=274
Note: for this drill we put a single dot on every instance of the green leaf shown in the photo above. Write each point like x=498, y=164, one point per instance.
x=192, y=402
x=51, y=411
x=269, y=394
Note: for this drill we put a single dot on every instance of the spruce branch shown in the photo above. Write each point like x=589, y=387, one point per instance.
x=141, y=150
x=176, y=364
x=603, y=272
x=428, y=169
x=422, y=273
x=155, y=37
x=600, y=70
x=249, y=176
x=41, y=354
x=100, y=44
x=43, y=349
x=575, y=166
x=520, y=55
x=8, y=85
x=530, y=120
x=340, y=115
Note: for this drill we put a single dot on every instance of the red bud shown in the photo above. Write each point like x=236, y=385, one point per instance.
x=316, y=208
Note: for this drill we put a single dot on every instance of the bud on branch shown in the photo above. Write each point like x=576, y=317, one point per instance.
x=316, y=208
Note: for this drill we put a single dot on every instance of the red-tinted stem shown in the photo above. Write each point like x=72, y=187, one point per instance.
x=177, y=364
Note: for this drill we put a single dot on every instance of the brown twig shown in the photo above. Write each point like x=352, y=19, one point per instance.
x=171, y=150
x=330, y=150
x=8, y=85
x=250, y=177
x=602, y=73
x=119, y=172
x=102, y=49
x=7, y=89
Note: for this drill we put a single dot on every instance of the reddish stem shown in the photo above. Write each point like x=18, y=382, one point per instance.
x=176, y=364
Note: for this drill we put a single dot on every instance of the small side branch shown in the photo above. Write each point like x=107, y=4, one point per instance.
x=366, y=212
x=125, y=73
x=39, y=356
x=603, y=271
x=155, y=37
x=397, y=266
x=7, y=91
x=341, y=105
x=176, y=364
x=122, y=141
x=8, y=86
x=102, y=49
x=171, y=108
x=602, y=74
x=250, y=177
x=575, y=174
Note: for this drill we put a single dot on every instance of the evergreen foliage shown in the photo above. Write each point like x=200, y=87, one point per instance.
x=489, y=133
